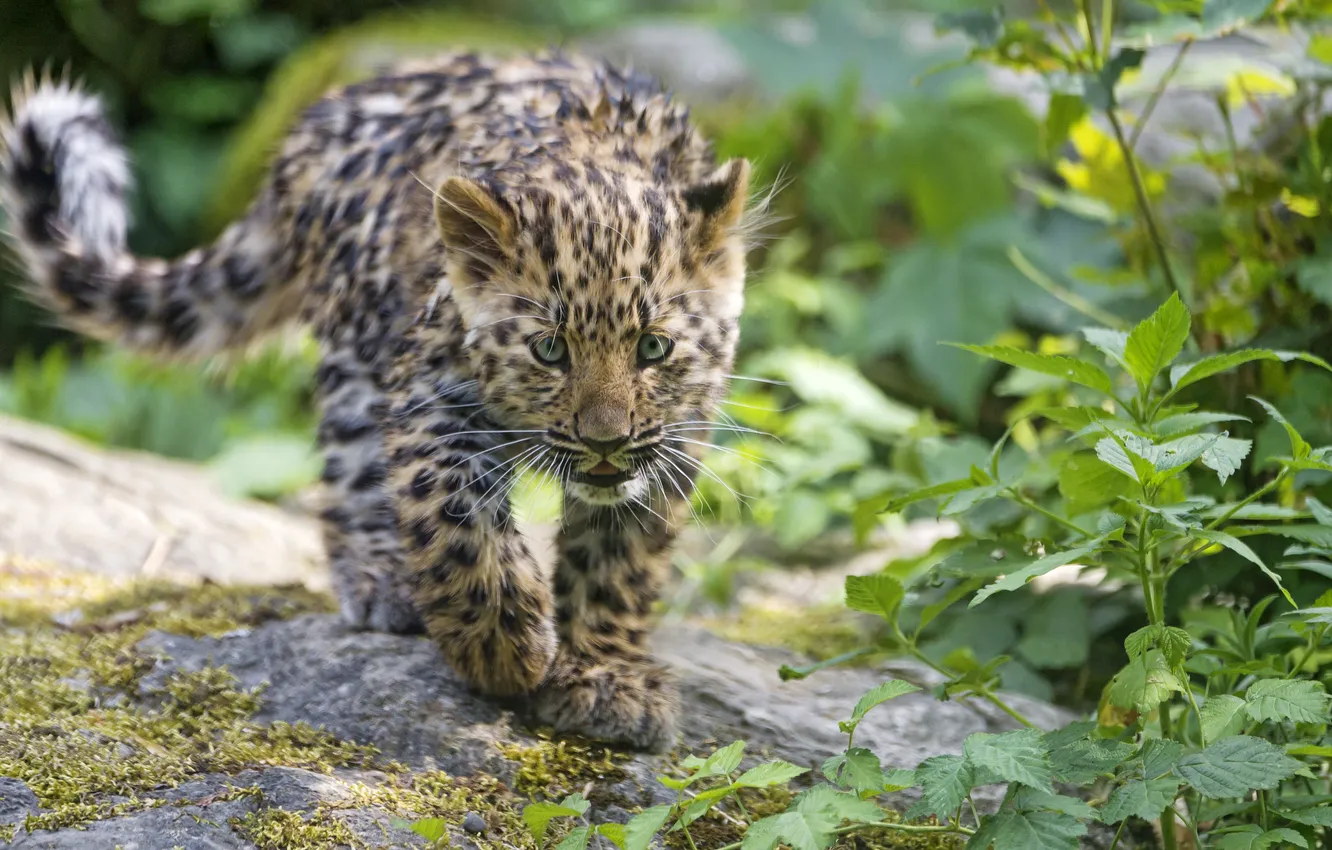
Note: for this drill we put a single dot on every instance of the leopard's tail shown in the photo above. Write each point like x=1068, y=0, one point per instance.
x=63, y=184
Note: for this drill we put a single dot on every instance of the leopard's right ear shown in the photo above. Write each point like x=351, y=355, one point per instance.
x=476, y=226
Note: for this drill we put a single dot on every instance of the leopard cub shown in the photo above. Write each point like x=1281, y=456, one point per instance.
x=509, y=263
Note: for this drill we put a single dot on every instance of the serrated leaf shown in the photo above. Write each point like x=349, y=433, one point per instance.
x=1110, y=342
x=1156, y=341
x=1250, y=837
x=538, y=816
x=1296, y=700
x=1144, y=683
x=1039, y=567
x=1183, y=451
x=1322, y=513
x=1222, y=716
x=640, y=829
x=1139, y=798
x=1190, y=373
x=1235, y=766
x=431, y=829
x=1115, y=453
x=1225, y=456
x=769, y=773
x=945, y=781
x=1182, y=423
x=1031, y=800
x=1299, y=449
x=1036, y=831
x=968, y=499
x=722, y=762
x=857, y=769
x=1174, y=642
x=875, y=594
x=1087, y=481
x=1159, y=757
x=576, y=839
x=846, y=807
x=879, y=694
x=898, y=779
x=1242, y=549
x=1018, y=756
x=1083, y=762
x=1069, y=368
x=613, y=832
x=1315, y=816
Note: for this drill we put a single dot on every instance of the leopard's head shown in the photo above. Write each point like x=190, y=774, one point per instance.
x=601, y=315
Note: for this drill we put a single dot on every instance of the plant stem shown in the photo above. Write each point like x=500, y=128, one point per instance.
x=1118, y=832
x=983, y=693
x=1089, y=33
x=1168, y=816
x=1192, y=552
x=1064, y=295
x=1145, y=205
x=1032, y=506
x=1158, y=93
x=896, y=827
x=1262, y=807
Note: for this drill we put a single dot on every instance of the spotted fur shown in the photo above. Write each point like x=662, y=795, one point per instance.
x=436, y=227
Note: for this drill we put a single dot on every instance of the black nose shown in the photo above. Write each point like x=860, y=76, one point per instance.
x=605, y=448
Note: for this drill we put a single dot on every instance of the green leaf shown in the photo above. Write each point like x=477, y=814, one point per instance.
x=179, y=11
x=1222, y=717
x=1225, y=456
x=1069, y=368
x=1182, y=423
x=809, y=823
x=1018, y=756
x=1082, y=762
x=1321, y=512
x=1172, y=641
x=1185, y=374
x=1315, y=816
x=640, y=829
x=1296, y=700
x=1064, y=111
x=1251, y=837
x=857, y=769
x=1144, y=799
x=576, y=839
x=1242, y=549
x=1039, y=567
x=819, y=378
x=875, y=594
x=1299, y=449
x=769, y=773
x=968, y=499
x=1235, y=766
x=1111, y=343
x=945, y=781
x=1036, y=831
x=898, y=779
x=1114, y=451
x=722, y=762
x=1087, y=481
x=1030, y=800
x=891, y=689
x=1159, y=757
x=1144, y=683
x=538, y=816
x=934, y=491
x=431, y=829
x=615, y=833
x=1158, y=340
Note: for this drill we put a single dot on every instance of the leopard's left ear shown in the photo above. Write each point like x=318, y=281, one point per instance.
x=720, y=202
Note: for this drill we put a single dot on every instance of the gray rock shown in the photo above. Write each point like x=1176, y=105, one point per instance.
x=16, y=801
x=474, y=823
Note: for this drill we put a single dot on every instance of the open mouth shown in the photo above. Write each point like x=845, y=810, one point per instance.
x=605, y=474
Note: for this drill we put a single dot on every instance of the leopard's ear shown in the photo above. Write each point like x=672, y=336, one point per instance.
x=719, y=202
x=476, y=225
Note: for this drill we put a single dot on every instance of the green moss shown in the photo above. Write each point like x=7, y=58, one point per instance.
x=275, y=829
x=74, y=725
x=819, y=632
x=556, y=768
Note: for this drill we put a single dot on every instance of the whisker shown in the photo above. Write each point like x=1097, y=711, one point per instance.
x=759, y=380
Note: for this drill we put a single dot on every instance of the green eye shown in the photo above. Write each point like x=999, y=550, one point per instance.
x=550, y=350
x=653, y=348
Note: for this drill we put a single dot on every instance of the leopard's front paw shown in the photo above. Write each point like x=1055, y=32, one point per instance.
x=376, y=600
x=612, y=700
